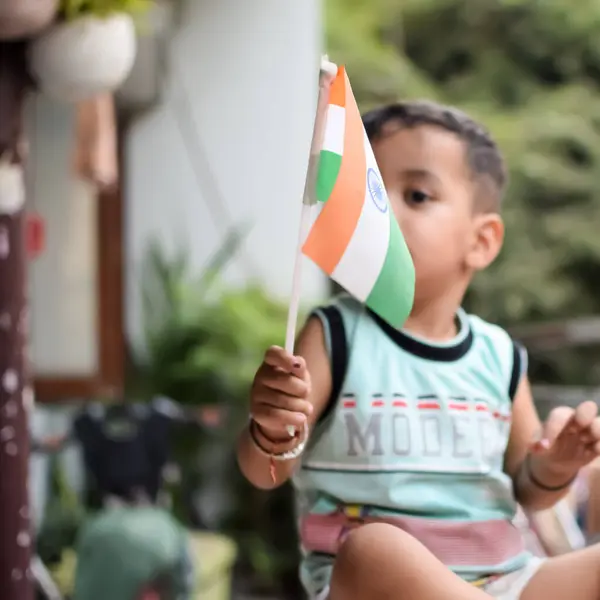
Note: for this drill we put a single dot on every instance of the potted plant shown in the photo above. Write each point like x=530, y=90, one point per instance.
x=25, y=18
x=203, y=342
x=91, y=50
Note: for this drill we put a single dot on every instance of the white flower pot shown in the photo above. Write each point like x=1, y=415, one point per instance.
x=79, y=59
x=25, y=18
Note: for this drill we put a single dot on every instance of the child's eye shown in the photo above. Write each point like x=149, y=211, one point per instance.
x=416, y=197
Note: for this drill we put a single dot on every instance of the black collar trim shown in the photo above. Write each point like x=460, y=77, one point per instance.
x=447, y=352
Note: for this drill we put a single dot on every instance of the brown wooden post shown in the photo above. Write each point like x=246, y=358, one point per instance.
x=15, y=395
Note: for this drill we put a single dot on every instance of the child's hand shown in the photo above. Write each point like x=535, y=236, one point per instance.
x=570, y=438
x=280, y=393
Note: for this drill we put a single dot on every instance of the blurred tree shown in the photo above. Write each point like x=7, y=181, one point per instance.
x=530, y=70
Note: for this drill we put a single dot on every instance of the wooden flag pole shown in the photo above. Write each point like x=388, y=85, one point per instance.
x=326, y=77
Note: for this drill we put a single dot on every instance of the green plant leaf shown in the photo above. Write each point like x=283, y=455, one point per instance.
x=72, y=9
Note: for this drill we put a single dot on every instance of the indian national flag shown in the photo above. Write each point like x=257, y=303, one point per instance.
x=355, y=238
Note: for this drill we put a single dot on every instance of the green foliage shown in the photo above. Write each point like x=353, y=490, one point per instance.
x=530, y=70
x=73, y=9
x=203, y=344
x=203, y=341
x=62, y=518
x=379, y=73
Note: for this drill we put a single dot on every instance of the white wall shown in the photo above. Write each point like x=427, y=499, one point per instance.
x=62, y=290
x=62, y=279
x=250, y=72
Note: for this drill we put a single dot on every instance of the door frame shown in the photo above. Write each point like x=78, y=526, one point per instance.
x=108, y=381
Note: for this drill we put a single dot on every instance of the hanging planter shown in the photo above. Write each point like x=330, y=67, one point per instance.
x=25, y=18
x=79, y=59
x=92, y=51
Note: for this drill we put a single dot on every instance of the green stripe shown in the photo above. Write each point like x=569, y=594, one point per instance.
x=329, y=167
x=393, y=293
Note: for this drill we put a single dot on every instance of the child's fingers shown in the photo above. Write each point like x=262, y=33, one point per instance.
x=591, y=434
x=299, y=368
x=280, y=391
x=559, y=422
x=594, y=430
x=287, y=403
x=284, y=382
x=539, y=446
x=280, y=359
x=277, y=357
x=585, y=426
x=585, y=414
x=275, y=418
x=574, y=433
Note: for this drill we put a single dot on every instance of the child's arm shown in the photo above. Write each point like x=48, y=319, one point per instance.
x=286, y=391
x=543, y=461
x=520, y=463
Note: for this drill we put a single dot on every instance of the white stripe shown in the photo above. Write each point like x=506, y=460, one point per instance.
x=334, y=129
x=365, y=254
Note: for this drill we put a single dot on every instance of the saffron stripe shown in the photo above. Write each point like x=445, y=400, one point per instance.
x=337, y=92
x=368, y=249
x=335, y=225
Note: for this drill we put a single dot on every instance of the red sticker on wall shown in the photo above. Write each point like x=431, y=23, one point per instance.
x=35, y=235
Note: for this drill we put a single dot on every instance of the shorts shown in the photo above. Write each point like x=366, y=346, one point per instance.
x=511, y=586
x=507, y=587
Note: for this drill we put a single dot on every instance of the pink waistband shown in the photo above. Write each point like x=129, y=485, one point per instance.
x=454, y=543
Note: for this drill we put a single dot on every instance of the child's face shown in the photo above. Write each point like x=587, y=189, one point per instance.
x=432, y=192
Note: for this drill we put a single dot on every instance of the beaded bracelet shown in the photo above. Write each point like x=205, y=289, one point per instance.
x=295, y=452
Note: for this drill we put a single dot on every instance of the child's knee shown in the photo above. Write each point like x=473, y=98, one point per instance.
x=368, y=558
x=370, y=551
x=371, y=540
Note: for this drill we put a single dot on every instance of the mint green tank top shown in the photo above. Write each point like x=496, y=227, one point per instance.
x=414, y=436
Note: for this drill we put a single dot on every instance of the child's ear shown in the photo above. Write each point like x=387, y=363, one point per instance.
x=488, y=235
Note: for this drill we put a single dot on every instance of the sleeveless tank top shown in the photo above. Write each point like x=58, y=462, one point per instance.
x=414, y=435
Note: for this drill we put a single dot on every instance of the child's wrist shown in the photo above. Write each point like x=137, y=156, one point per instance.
x=547, y=475
x=289, y=450
x=272, y=442
x=275, y=436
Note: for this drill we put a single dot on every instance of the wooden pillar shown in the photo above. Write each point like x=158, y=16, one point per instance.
x=15, y=394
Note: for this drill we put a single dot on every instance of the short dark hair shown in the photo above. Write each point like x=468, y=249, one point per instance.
x=483, y=155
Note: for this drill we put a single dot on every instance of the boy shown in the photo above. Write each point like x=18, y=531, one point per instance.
x=423, y=440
